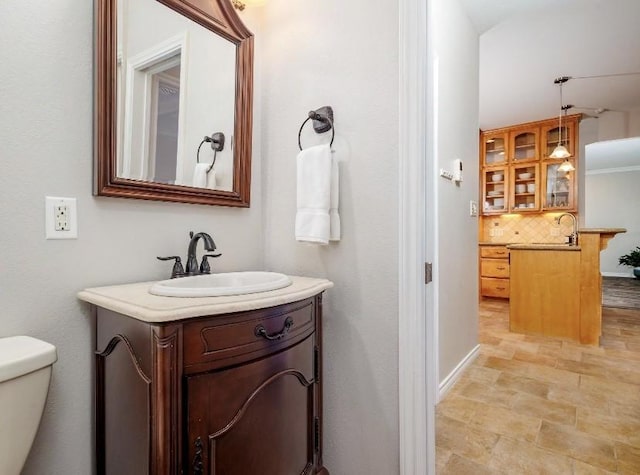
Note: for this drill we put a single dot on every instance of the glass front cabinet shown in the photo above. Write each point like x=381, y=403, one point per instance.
x=495, y=190
x=523, y=145
x=525, y=188
x=559, y=187
x=494, y=149
x=551, y=138
x=517, y=174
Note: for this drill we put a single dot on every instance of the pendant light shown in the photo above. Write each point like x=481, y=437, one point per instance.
x=561, y=151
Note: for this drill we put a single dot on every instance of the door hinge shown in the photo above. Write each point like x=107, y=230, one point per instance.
x=316, y=364
x=316, y=434
x=428, y=272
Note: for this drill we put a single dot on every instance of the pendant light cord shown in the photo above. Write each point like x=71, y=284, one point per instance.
x=604, y=75
x=560, y=120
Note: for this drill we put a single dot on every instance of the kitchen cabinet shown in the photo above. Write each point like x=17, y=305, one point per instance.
x=494, y=271
x=525, y=188
x=556, y=290
x=550, y=134
x=532, y=182
x=233, y=393
x=495, y=190
x=524, y=144
x=559, y=188
x=494, y=148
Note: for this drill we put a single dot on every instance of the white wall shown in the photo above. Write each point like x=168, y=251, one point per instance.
x=46, y=136
x=456, y=44
x=343, y=54
x=612, y=202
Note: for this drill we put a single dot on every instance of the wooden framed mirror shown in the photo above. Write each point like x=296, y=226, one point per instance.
x=170, y=74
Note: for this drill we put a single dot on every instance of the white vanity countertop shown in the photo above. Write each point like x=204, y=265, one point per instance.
x=135, y=300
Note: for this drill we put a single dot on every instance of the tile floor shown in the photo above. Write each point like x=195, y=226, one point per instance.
x=536, y=405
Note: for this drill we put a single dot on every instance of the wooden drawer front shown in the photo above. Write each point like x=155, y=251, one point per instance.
x=494, y=252
x=243, y=336
x=494, y=268
x=495, y=288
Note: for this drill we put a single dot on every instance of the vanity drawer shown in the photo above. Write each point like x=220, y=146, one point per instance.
x=217, y=342
x=494, y=268
x=494, y=287
x=494, y=252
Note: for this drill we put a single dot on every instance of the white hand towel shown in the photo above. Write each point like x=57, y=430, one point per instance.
x=200, y=175
x=314, y=194
x=202, y=179
x=334, y=217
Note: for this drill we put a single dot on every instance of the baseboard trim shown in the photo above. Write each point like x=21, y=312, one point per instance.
x=617, y=274
x=452, y=377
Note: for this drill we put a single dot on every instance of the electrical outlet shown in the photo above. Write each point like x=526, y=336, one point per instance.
x=555, y=231
x=61, y=220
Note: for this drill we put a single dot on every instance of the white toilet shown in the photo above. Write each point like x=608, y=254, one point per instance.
x=25, y=371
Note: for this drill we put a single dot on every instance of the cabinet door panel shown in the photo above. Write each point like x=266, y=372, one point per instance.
x=524, y=145
x=256, y=418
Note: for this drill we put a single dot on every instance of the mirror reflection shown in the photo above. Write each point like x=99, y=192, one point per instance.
x=176, y=85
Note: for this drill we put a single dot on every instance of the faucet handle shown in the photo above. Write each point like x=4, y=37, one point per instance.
x=178, y=270
x=204, y=265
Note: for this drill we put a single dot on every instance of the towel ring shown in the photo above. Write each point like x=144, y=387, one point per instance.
x=322, y=122
x=217, y=145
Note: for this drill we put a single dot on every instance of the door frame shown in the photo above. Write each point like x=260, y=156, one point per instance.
x=417, y=320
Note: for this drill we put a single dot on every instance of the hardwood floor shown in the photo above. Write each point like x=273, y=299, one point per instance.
x=537, y=405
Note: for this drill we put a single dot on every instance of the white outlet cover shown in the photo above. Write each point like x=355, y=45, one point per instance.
x=72, y=218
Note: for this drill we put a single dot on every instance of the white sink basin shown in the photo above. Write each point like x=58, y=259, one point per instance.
x=216, y=285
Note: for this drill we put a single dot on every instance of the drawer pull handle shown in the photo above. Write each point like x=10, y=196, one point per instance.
x=501, y=268
x=501, y=288
x=260, y=331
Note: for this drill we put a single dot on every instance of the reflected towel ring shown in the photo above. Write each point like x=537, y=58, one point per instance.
x=217, y=145
x=322, y=122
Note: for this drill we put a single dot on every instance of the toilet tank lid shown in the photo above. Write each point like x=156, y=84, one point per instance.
x=20, y=355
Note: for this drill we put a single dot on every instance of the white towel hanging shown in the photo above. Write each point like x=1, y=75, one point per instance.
x=314, y=171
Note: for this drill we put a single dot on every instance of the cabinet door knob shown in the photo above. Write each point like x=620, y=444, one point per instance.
x=261, y=331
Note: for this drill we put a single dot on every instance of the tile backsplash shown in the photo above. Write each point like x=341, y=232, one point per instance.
x=520, y=228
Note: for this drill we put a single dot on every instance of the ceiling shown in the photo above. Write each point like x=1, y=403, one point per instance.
x=526, y=44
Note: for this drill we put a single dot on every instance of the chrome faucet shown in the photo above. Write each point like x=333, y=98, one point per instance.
x=573, y=237
x=192, y=262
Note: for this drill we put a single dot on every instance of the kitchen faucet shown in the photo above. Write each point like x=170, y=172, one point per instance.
x=573, y=237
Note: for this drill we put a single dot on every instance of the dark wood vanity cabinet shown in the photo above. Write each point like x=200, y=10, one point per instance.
x=232, y=394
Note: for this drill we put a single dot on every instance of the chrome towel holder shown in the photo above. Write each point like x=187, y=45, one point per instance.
x=322, y=120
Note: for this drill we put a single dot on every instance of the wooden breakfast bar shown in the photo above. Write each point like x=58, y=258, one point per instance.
x=556, y=289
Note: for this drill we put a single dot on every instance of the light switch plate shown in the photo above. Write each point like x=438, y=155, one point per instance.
x=473, y=208
x=61, y=218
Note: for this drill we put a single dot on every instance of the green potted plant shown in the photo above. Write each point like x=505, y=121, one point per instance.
x=633, y=260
